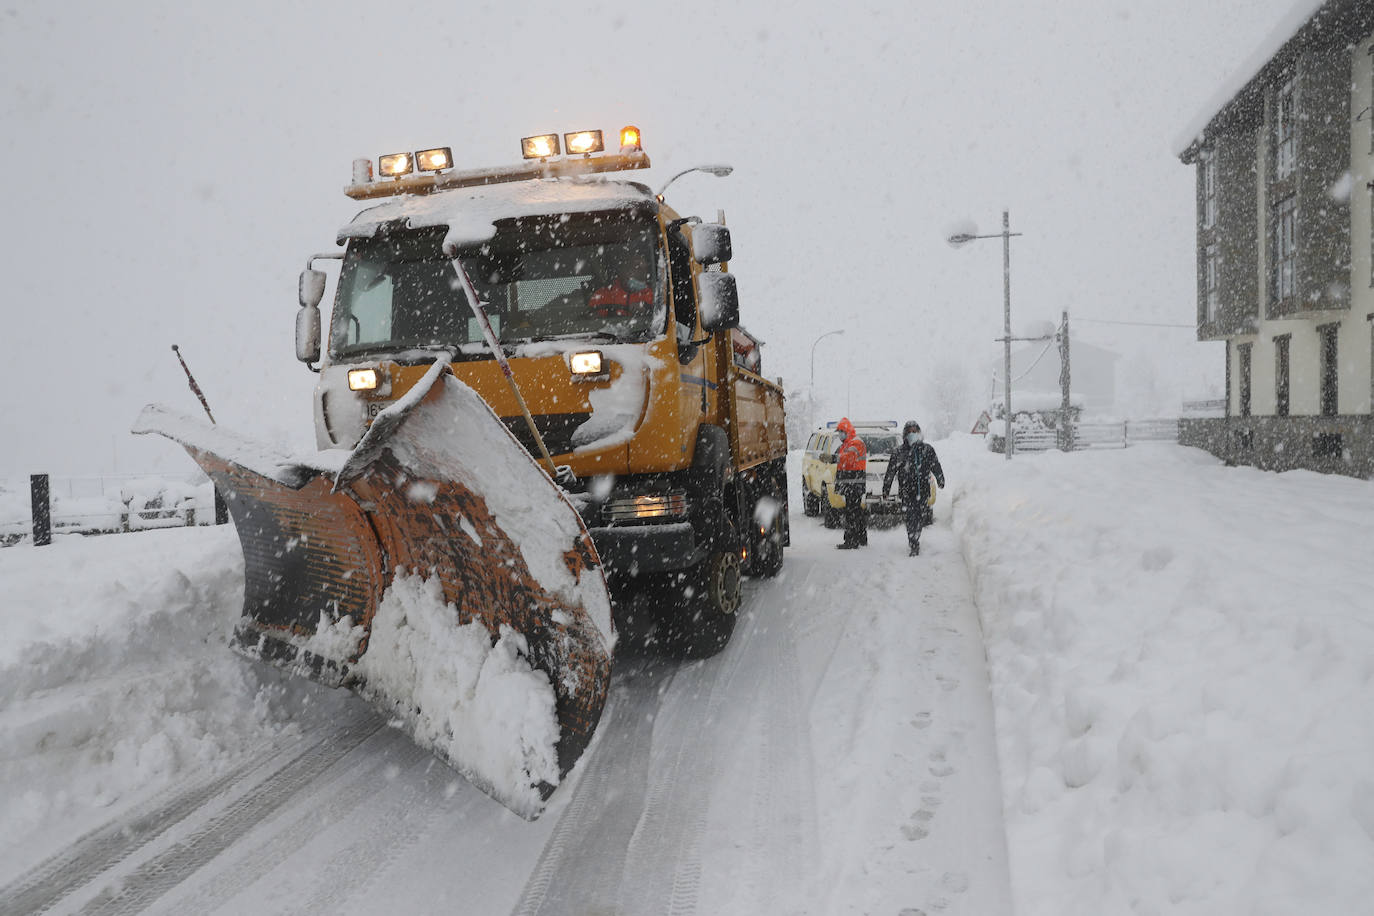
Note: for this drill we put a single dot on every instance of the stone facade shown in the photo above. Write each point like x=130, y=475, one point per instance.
x=1285, y=251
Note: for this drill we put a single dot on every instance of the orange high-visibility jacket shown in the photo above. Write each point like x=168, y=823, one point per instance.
x=853, y=455
x=615, y=301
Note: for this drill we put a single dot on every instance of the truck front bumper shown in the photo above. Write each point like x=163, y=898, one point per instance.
x=637, y=550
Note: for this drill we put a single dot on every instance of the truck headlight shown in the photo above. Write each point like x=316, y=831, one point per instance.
x=645, y=507
x=586, y=363
x=362, y=379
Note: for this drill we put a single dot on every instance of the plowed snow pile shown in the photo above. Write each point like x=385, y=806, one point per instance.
x=1182, y=664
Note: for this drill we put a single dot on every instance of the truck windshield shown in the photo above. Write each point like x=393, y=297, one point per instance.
x=582, y=275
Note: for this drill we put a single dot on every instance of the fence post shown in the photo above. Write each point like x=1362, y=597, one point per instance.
x=221, y=508
x=41, y=508
x=1125, y=433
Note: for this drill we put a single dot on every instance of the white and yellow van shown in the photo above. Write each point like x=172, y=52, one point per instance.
x=881, y=438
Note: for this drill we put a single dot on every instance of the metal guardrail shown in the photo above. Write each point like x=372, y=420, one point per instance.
x=1101, y=435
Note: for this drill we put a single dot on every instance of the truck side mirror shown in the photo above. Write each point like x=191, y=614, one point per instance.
x=311, y=291
x=308, y=334
x=311, y=288
x=719, y=301
x=711, y=243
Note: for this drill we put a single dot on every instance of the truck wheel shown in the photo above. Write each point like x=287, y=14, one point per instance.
x=699, y=624
x=765, y=559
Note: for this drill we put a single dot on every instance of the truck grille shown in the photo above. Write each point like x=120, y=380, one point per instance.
x=645, y=507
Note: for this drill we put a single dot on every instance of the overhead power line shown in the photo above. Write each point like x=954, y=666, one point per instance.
x=1147, y=324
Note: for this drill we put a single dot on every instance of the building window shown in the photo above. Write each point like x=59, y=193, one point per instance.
x=1329, y=395
x=1243, y=350
x=1286, y=128
x=1285, y=279
x=1281, y=375
x=1211, y=271
x=1209, y=189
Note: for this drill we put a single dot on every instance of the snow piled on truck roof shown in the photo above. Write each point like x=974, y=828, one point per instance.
x=471, y=213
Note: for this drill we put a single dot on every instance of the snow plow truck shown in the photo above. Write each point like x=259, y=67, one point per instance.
x=539, y=426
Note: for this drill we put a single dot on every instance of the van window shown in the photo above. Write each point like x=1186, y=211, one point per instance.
x=879, y=443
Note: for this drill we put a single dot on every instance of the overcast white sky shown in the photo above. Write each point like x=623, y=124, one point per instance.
x=170, y=166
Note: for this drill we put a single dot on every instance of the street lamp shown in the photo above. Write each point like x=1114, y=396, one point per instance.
x=720, y=171
x=963, y=238
x=813, y=356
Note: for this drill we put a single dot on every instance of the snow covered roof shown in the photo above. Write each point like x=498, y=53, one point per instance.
x=471, y=213
x=1287, y=30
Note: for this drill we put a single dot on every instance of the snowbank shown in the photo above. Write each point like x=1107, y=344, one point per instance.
x=1182, y=664
x=115, y=676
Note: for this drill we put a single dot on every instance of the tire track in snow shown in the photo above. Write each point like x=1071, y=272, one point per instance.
x=578, y=869
x=155, y=877
x=104, y=848
x=779, y=842
x=663, y=863
x=320, y=805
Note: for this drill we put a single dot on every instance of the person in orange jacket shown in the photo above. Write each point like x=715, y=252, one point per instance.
x=629, y=290
x=851, y=463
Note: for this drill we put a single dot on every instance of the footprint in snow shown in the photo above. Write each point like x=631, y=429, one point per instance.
x=915, y=832
x=956, y=882
x=921, y=720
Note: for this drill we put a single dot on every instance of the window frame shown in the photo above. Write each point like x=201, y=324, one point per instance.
x=1283, y=277
x=1243, y=381
x=1287, y=117
x=1328, y=374
x=1283, y=373
x=1211, y=279
x=1209, y=188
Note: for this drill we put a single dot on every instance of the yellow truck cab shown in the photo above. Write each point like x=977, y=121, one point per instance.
x=620, y=324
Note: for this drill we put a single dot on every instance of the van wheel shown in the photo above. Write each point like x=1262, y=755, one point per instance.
x=830, y=515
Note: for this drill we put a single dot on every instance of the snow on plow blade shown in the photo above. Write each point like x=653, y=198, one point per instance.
x=437, y=571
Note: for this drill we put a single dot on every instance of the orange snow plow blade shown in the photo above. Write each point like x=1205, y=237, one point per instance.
x=437, y=572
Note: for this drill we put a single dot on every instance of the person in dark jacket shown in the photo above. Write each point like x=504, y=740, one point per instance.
x=912, y=464
x=851, y=463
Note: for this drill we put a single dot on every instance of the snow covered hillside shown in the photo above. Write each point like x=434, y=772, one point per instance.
x=1180, y=658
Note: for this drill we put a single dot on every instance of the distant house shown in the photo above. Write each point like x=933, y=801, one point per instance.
x=1285, y=247
x=1035, y=374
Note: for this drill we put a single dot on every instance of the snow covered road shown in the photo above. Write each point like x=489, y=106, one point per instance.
x=837, y=757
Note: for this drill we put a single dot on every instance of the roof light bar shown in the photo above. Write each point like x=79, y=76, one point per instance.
x=434, y=160
x=394, y=165
x=584, y=142
x=539, y=147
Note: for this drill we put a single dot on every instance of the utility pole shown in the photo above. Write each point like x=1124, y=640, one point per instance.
x=1065, y=409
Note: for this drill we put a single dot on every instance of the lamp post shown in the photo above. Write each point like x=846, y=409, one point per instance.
x=962, y=238
x=720, y=171
x=813, y=355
